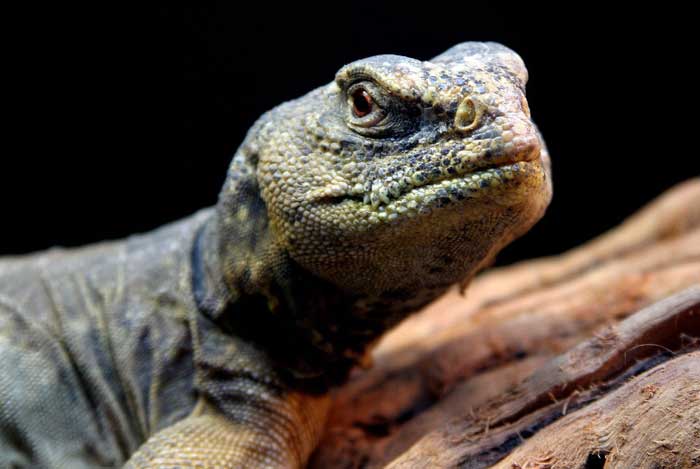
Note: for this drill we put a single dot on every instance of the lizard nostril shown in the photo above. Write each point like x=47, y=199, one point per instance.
x=467, y=116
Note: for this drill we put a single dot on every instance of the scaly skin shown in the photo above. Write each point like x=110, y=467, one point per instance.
x=212, y=342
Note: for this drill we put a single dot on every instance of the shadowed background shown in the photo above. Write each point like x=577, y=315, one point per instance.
x=105, y=138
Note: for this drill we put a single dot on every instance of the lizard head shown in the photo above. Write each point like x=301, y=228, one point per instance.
x=401, y=175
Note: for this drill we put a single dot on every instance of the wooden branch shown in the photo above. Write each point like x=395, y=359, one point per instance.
x=589, y=371
x=473, y=381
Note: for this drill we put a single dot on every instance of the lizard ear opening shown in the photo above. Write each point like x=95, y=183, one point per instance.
x=486, y=53
x=243, y=222
x=240, y=197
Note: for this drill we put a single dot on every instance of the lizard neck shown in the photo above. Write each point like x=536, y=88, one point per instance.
x=311, y=329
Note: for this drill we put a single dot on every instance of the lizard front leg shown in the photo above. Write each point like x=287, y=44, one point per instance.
x=277, y=434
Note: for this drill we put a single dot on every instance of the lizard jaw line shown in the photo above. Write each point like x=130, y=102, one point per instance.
x=377, y=200
x=423, y=200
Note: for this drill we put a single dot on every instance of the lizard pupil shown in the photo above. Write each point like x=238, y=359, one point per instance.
x=361, y=103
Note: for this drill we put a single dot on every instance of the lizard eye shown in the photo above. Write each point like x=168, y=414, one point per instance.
x=362, y=102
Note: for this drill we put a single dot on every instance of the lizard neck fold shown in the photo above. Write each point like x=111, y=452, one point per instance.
x=313, y=330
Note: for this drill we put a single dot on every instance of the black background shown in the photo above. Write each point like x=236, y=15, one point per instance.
x=94, y=145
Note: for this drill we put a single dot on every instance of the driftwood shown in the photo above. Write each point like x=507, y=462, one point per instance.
x=590, y=359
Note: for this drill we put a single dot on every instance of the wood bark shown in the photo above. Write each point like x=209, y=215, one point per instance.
x=589, y=359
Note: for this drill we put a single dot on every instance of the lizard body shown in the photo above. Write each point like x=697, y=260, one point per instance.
x=212, y=342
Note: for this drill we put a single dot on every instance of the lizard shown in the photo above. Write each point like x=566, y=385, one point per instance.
x=213, y=342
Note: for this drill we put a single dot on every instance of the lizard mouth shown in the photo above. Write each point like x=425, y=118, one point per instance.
x=444, y=188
